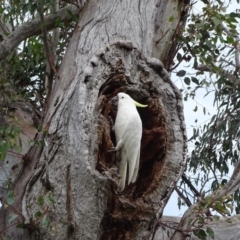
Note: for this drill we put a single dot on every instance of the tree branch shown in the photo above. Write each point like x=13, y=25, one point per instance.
x=231, y=77
x=34, y=27
x=191, y=213
x=5, y=29
x=190, y=185
x=237, y=48
x=184, y=198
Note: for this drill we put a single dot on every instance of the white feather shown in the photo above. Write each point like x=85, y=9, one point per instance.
x=128, y=131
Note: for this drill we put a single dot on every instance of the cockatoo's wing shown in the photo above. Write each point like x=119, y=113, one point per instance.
x=132, y=145
x=122, y=170
x=134, y=178
x=128, y=131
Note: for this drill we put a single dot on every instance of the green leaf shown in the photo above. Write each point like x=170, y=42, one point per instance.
x=195, y=109
x=179, y=57
x=230, y=40
x=5, y=238
x=208, y=199
x=218, y=206
x=210, y=232
x=234, y=15
x=216, y=21
x=215, y=185
x=45, y=221
x=11, y=217
x=21, y=225
x=201, y=234
x=195, y=80
x=171, y=19
x=51, y=199
x=33, y=8
x=181, y=73
x=224, y=181
x=179, y=203
x=24, y=9
x=200, y=220
x=38, y=214
x=189, y=221
x=187, y=80
x=10, y=197
x=216, y=218
x=72, y=16
x=229, y=220
x=40, y=200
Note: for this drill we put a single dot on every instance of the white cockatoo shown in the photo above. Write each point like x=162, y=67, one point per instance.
x=128, y=132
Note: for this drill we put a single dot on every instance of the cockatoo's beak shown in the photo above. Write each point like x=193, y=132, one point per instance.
x=139, y=104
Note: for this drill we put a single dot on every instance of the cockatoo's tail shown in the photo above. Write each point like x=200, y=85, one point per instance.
x=128, y=131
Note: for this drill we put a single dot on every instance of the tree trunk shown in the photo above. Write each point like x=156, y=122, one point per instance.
x=116, y=46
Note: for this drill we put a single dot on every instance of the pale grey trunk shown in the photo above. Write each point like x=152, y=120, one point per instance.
x=115, y=47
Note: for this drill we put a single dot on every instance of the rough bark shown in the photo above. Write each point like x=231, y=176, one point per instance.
x=111, y=50
x=94, y=202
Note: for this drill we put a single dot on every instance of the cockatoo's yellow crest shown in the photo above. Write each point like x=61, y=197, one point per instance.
x=139, y=104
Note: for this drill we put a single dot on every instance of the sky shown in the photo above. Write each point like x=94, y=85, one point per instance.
x=190, y=116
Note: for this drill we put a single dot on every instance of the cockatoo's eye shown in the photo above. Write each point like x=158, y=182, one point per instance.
x=122, y=97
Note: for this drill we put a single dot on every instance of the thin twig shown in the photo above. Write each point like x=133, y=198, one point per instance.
x=190, y=185
x=13, y=209
x=185, y=199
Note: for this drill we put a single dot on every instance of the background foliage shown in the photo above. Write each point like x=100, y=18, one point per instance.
x=22, y=79
x=211, y=44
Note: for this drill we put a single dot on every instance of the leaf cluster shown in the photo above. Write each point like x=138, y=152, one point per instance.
x=23, y=72
x=211, y=43
x=9, y=139
x=39, y=218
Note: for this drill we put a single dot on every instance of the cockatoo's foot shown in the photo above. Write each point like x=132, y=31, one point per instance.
x=112, y=150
